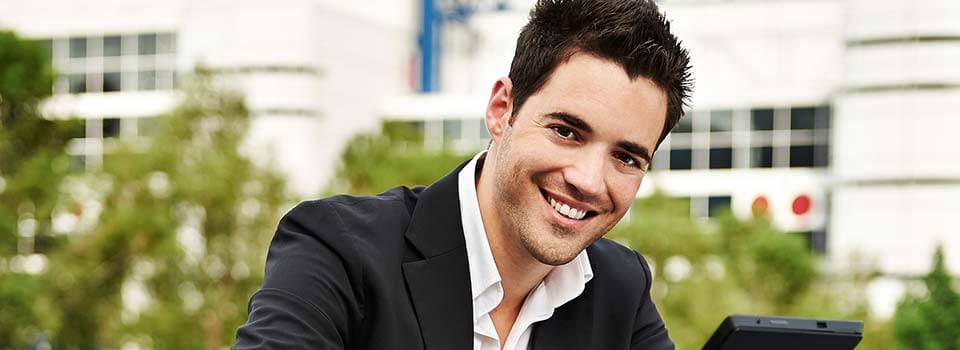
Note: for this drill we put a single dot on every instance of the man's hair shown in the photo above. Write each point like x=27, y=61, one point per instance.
x=631, y=33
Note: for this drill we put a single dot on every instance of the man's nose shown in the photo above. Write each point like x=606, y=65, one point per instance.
x=586, y=174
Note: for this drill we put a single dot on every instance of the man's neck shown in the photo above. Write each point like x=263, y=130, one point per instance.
x=519, y=271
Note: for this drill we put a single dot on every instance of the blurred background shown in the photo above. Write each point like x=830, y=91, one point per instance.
x=148, y=149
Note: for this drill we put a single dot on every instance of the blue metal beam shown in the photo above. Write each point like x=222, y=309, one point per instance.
x=431, y=29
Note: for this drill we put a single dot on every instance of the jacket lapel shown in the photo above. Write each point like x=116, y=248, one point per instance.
x=570, y=327
x=439, y=285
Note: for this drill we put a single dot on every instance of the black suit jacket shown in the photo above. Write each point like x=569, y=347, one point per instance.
x=390, y=272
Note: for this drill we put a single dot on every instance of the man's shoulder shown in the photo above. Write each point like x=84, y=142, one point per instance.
x=377, y=219
x=399, y=200
x=617, y=264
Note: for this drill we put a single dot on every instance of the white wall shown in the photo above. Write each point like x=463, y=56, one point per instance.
x=895, y=152
x=895, y=228
x=756, y=53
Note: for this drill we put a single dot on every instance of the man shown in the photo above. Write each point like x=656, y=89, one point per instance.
x=506, y=251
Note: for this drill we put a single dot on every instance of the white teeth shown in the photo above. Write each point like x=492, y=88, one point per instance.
x=566, y=210
x=579, y=214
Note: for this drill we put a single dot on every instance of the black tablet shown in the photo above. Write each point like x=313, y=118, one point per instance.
x=744, y=332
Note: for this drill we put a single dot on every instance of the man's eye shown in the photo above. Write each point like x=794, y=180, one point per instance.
x=564, y=132
x=628, y=160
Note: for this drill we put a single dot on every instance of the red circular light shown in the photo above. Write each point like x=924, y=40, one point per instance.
x=760, y=206
x=801, y=204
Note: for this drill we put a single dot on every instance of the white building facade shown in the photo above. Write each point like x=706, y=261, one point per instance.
x=311, y=71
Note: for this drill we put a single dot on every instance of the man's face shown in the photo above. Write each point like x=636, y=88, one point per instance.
x=570, y=165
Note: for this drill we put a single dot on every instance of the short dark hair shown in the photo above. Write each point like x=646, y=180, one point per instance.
x=631, y=33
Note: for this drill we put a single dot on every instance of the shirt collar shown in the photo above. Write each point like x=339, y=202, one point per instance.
x=563, y=284
x=483, y=269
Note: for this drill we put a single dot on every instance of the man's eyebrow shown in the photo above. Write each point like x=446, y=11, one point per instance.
x=571, y=119
x=637, y=150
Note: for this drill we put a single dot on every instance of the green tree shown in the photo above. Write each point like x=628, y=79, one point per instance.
x=161, y=247
x=706, y=271
x=372, y=163
x=930, y=322
x=184, y=226
x=32, y=163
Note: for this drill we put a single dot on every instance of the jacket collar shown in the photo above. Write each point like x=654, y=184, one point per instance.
x=435, y=227
x=439, y=285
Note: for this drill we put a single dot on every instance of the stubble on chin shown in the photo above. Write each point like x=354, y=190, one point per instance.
x=555, y=254
x=542, y=243
x=548, y=244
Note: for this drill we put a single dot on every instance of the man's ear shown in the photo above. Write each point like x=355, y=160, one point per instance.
x=500, y=108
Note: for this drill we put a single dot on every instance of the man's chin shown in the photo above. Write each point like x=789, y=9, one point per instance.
x=553, y=255
x=555, y=261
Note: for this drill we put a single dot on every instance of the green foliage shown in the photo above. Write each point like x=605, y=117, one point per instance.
x=186, y=220
x=161, y=247
x=777, y=267
x=930, y=322
x=372, y=163
x=31, y=148
x=25, y=77
x=733, y=267
x=32, y=161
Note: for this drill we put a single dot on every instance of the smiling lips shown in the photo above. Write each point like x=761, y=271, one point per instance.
x=566, y=210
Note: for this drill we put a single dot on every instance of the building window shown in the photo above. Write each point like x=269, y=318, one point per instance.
x=111, y=127
x=761, y=137
x=111, y=46
x=681, y=159
x=802, y=118
x=761, y=119
x=77, y=83
x=137, y=61
x=685, y=125
x=717, y=205
x=801, y=156
x=761, y=157
x=78, y=47
x=147, y=44
x=809, y=136
x=111, y=81
x=721, y=158
x=721, y=120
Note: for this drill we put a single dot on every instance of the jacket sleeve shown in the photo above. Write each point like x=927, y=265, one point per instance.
x=308, y=299
x=649, y=332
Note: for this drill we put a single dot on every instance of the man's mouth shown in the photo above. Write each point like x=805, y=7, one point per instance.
x=566, y=209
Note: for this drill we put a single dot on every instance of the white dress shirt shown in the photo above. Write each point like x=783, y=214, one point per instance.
x=564, y=283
